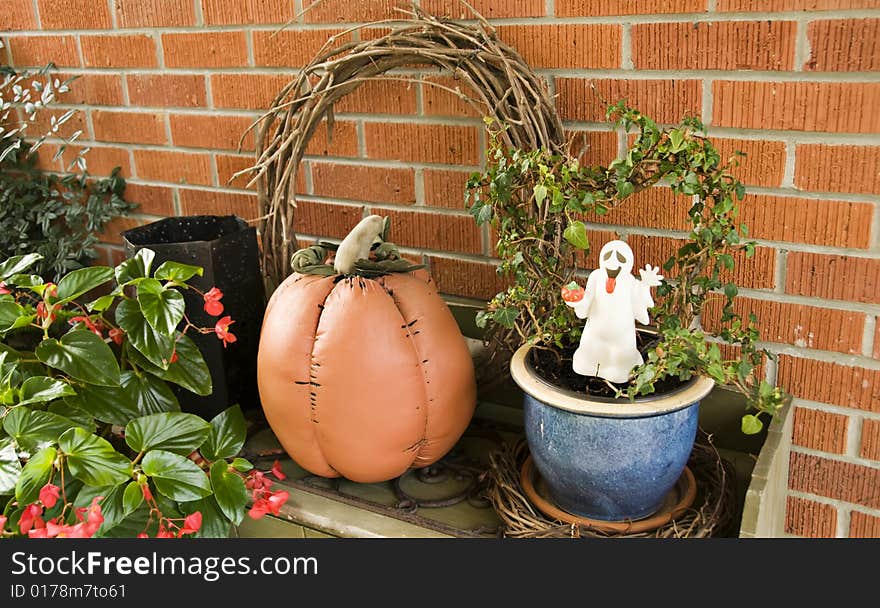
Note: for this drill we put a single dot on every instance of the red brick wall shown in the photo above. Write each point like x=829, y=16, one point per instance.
x=168, y=86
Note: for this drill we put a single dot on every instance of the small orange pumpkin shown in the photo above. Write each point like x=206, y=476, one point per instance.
x=364, y=377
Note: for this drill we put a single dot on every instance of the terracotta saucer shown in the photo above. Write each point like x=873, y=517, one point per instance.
x=675, y=504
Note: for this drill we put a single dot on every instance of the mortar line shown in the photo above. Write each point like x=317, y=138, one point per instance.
x=853, y=436
x=801, y=46
x=707, y=101
x=111, y=6
x=790, y=164
x=871, y=464
x=626, y=61
x=199, y=14
x=868, y=336
x=779, y=274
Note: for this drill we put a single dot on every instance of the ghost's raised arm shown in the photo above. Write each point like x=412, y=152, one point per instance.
x=582, y=306
x=641, y=293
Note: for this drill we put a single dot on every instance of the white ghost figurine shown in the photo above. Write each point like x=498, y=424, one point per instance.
x=613, y=301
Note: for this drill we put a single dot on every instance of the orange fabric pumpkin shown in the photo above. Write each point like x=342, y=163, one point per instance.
x=364, y=378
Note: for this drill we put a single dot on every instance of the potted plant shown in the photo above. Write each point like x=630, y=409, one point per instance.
x=92, y=440
x=612, y=449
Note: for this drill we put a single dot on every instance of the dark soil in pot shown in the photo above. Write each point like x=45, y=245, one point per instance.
x=553, y=366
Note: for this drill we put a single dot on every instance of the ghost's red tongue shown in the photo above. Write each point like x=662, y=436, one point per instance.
x=610, y=282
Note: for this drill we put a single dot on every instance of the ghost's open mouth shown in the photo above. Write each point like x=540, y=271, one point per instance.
x=612, y=274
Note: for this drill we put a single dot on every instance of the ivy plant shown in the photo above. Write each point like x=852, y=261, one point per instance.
x=538, y=202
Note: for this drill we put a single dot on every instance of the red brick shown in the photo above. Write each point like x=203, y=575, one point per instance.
x=593, y=148
x=92, y=89
x=289, y=48
x=763, y=163
x=232, y=12
x=465, y=278
x=797, y=106
x=129, y=127
x=854, y=387
x=566, y=45
x=825, y=168
x=330, y=11
x=230, y=164
x=870, y=444
x=364, y=183
x=325, y=219
x=100, y=160
x=819, y=222
x=166, y=90
x=862, y=525
x=113, y=229
x=797, y=324
x=30, y=51
x=445, y=187
x=250, y=91
x=154, y=13
x=595, y=8
x=212, y=131
x=835, y=479
x=438, y=100
x=653, y=207
x=666, y=101
x=809, y=518
x=422, y=143
x=74, y=14
x=43, y=123
x=724, y=45
x=18, y=15
x=835, y=277
x=844, y=45
x=174, y=167
x=205, y=50
x=490, y=9
x=211, y=202
x=820, y=430
x=433, y=231
x=380, y=97
x=343, y=142
x=119, y=51
x=791, y=5
x=151, y=200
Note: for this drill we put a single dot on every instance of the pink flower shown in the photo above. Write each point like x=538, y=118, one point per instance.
x=277, y=472
x=213, y=306
x=222, y=330
x=4, y=290
x=31, y=518
x=191, y=524
x=49, y=495
x=116, y=335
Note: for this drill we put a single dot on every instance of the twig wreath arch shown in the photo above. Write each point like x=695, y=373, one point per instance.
x=504, y=85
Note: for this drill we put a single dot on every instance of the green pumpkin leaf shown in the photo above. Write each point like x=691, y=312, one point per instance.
x=18, y=264
x=175, y=271
x=229, y=491
x=176, y=477
x=172, y=431
x=162, y=307
x=576, y=234
x=156, y=347
x=82, y=281
x=38, y=389
x=10, y=467
x=34, y=475
x=82, y=355
x=227, y=435
x=92, y=459
x=137, y=267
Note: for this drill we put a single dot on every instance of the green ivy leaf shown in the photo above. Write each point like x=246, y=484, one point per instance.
x=227, y=435
x=176, y=477
x=175, y=271
x=82, y=355
x=156, y=347
x=92, y=459
x=751, y=424
x=172, y=431
x=576, y=234
x=506, y=316
x=18, y=264
x=82, y=281
x=38, y=389
x=34, y=475
x=10, y=467
x=229, y=491
x=540, y=191
x=162, y=307
x=136, y=267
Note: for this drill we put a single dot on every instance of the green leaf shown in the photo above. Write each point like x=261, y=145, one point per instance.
x=38, y=389
x=92, y=459
x=113, y=404
x=506, y=316
x=625, y=188
x=10, y=467
x=176, y=477
x=132, y=497
x=82, y=355
x=214, y=522
x=18, y=264
x=137, y=267
x=730, y=290
x=484, y=215
x=175, y=271
x=101, y=304
x=229, y=491
x=751, y=424
x=240, y=464
x=576, y=234
x=676, y=138
x=34, y=475
x=156, y=347
x=162, y=307
x=540, y=191
x=150, y=395
x=227, y=435
x=189, y=371
x=13, y=316
x=82, y=418
x=83, y=281
x=32, y=428
x=112, y=501
x=172, y=431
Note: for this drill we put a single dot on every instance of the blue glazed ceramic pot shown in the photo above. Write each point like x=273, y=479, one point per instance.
x=609, y=459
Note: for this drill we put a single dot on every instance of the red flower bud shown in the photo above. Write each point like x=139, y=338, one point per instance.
x=49, y=494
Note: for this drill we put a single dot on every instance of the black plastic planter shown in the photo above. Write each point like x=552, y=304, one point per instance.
x=226, y=247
